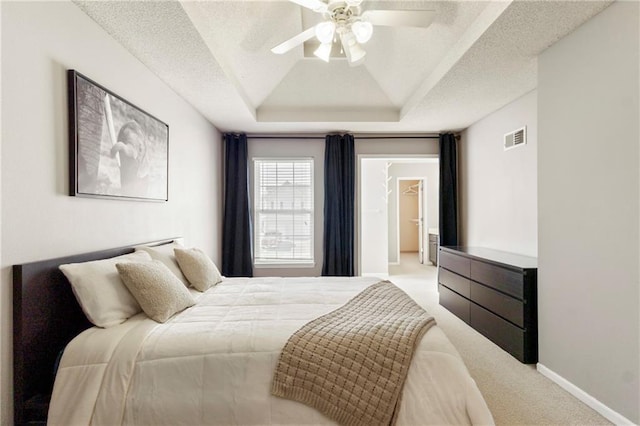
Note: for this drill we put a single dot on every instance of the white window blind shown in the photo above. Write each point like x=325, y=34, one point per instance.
x=283, y=211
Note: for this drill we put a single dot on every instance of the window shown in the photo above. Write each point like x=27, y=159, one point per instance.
x=283, y=211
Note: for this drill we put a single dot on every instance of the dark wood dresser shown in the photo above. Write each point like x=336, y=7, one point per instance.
x=495, y=292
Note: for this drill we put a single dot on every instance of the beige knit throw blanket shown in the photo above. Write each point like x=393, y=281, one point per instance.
x=351, y=364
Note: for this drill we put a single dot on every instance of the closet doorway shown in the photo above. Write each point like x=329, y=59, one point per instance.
x=378, y=223
x=410, y=224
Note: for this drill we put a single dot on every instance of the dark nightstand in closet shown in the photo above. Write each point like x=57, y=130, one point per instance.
x=495, y=292
x=433, y=248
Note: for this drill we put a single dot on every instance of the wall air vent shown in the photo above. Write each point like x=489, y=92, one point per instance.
x=515, y=138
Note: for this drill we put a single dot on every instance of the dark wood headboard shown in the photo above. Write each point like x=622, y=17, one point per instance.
x=46, y=316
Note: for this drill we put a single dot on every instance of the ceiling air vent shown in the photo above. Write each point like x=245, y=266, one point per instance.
x=515, y=138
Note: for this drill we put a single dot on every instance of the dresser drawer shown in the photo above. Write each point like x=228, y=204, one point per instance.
x=505, y=280
x=498, y=303
x=502, y=333
x=456, y=304
x=458, y=264
x=494, y=292
x=454, y=282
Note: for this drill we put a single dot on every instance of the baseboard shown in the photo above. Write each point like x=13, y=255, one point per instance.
x=606, y=412
x=394, y=263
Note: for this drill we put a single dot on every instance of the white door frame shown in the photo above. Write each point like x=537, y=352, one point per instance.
x=422, y=209
x=358, y=209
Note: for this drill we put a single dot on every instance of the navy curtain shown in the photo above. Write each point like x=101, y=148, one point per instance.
x=448, y=190
x=236, y=221
x=339, y=194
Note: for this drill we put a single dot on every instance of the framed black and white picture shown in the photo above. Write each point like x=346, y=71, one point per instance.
x=116, y=149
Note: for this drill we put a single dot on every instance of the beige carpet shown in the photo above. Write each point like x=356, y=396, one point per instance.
x=516, y=393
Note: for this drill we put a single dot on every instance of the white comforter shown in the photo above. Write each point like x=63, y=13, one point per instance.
x=213, y=363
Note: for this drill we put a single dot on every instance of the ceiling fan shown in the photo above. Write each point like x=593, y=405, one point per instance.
x=345, y=20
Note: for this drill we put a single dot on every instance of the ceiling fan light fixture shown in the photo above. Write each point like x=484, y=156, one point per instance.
x=325, y=31
x=362, y=30
x=346, y=19
x=352, y=49
x=324, y=51
x=356, y=56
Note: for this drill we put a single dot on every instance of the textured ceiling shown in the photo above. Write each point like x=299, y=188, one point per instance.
x=475, y=57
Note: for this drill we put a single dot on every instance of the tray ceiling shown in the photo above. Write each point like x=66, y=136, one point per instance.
x=474, y=58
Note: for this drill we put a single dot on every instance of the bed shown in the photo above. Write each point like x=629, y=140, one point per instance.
x=209, y=364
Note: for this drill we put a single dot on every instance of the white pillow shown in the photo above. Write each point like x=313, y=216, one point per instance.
x=165, y=254
x=201, y=272
x=159, y=292
x=99, y=290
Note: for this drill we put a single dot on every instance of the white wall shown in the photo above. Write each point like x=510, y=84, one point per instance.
x=373, y=217
x=299, y=148
x=589, y=184
x=395, y=146
x=40, y=41
x=498, y=188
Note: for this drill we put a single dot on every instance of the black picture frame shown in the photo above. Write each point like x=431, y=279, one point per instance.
x=116, y=150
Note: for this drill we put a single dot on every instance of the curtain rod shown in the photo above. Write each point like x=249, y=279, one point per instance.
x=355, y=136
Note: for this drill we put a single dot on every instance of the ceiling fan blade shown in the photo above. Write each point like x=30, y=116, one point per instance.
x=315, y=5
x=294, y=41
x=400, y=18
